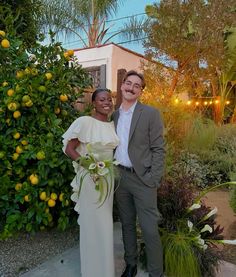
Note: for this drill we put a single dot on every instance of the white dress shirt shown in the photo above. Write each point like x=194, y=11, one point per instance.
x=123, y=129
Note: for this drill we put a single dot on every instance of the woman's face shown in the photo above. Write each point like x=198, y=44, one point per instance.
x=103, y=103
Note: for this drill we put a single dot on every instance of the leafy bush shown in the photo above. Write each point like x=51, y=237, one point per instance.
x=37, y=88
x=215, y=147
x=189, y=250
x=195, y=170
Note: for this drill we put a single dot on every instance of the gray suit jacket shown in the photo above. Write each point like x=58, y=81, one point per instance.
x=146, y=144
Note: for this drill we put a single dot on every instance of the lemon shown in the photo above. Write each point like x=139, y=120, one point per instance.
x=34, y=71
x=10, y=92
x=26, y=198
x=53, y=196
x=67, y=203
x=12, y=106
x=18, y=186
x=51, y=203
x=66, y=55
x=2, y=154
x=48, y=75
x=15, y=156
x=29, y=104
x=25, y=98
x=61, y=196
x=57, y=110
x=16, y=135
x=40, y=155
x=63, y=97
x=70, y=52
x=16, y=114
x=19, y=150
x=24, y=142
x=34, y=180
x=27, y=70
x=32, y=175
x=4, y=84
x=5, y=43
x=64, y=112
x=19, y=74
x=42, y=89
x=2, y=33
x=43, y=196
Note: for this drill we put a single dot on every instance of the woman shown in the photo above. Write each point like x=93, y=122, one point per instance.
x=95, y=219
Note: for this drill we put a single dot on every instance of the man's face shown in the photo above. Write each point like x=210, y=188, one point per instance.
x=131, y=88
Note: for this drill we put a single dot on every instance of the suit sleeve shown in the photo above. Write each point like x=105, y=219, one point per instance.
x=157, y=146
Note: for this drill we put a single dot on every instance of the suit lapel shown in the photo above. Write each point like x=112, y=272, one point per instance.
x=136, y=114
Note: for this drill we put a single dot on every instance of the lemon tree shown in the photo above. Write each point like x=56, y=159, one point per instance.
x=37, y=89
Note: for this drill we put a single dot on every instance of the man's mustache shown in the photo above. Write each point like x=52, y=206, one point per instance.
x=131, y=91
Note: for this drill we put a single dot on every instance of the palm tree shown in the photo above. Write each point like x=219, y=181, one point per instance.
x=87, y=19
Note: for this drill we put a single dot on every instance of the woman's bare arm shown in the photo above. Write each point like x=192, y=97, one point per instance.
x=71, y=149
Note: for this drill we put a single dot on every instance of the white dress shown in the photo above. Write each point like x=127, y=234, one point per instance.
x=96, y=223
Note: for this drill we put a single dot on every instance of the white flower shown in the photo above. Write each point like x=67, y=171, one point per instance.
x=228, y=241
x=201, y=242
x=194, y=207
x=92, y=166
x=211, y=213
x=206, y=228
x=87, y=157
x=101, y=164
x=103, y=171
x=190, y=226
x=115, y=162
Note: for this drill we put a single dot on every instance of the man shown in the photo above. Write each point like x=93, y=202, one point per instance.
x=141, y=157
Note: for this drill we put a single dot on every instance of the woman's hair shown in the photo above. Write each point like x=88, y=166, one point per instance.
x=97, y=91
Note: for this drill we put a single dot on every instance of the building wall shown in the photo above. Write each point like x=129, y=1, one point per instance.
x=114, y=57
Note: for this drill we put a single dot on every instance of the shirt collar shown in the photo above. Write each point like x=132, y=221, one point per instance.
x=130, y=110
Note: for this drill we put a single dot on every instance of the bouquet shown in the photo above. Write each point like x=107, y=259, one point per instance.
x=101, y=172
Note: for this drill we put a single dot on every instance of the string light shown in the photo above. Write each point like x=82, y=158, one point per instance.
x=176, y=101
x=198, y=103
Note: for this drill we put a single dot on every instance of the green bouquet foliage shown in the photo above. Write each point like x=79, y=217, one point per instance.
x=37, y=89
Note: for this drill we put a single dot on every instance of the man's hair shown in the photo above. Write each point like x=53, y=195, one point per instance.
x=135, y=73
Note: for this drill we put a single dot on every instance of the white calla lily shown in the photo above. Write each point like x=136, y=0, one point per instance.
x=101, y=164
x=228, y=241
x=92, y=166
x=190, y=225
x=211, y=213
x=207, y=228
x=194, y=207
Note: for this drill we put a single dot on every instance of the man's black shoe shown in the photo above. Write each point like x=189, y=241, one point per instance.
x=130, y=271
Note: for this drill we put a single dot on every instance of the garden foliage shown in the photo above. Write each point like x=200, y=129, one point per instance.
x=37, y=89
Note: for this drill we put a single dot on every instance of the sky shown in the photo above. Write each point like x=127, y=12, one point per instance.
x=129, y=8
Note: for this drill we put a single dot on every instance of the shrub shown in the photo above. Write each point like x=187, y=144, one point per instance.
x=189, y=250
x=198, y=173
x=37, y=88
